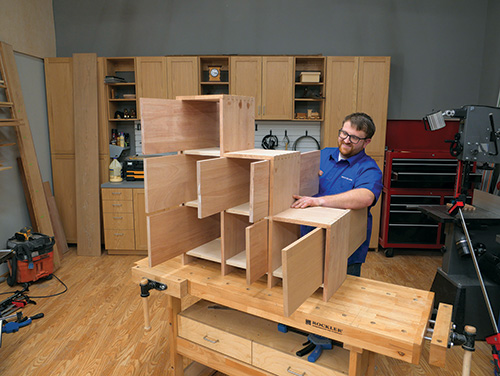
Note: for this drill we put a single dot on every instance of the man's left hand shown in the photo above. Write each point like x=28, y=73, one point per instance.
x=305, y=201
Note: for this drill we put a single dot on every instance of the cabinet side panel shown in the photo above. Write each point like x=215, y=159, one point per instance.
x=233, y=237
x=176, y=231
x=222, y=184
x=309, y=173
x=302, y=269
x=237, y=127
x=172, y=125
x=169, y=181
x=284, y=182
x=280, y=236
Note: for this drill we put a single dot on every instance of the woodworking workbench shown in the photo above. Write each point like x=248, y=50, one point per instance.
x=368, y=317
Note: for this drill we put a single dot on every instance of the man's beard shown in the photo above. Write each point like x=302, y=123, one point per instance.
x=349, y=147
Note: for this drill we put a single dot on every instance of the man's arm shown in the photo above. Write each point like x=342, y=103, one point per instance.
x=354, y=199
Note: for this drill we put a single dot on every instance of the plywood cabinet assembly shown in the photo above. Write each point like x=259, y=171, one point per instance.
x=221, y=200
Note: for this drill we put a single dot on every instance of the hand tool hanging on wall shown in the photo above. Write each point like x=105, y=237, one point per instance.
x=286, y=140
x=306, y=136
x=270, y=141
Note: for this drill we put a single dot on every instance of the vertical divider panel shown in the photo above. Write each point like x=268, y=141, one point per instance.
x=257, y=241
x=284, y=181
x=232, y=238
x=259, y=190
x=281, y=235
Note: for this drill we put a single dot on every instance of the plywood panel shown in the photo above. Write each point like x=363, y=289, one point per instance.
x=174, y=125
x=342, y=239
x=257, y=242
x=170, y=181
x=259, y=190
x=176, y=231
x=302, y=269
x=284, y=181
x=237, y=123
x=309, y=173
x=233, y=237
x=281, y=235
x=86, y=154
x=486, y=201
x=222, y=184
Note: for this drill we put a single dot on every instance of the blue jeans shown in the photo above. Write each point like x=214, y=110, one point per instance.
x=354, y=269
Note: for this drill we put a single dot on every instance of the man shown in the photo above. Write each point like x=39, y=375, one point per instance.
x=349, y=178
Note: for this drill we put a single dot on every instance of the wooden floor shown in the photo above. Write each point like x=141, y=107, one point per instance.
x=96, y=327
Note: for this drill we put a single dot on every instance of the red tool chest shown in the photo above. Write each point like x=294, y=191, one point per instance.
x=418, y=170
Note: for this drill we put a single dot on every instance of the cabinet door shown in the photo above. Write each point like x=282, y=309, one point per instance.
x=151, y=77
x=277, y=87
x=372, y=98
x=246, y=79
x=341, y=89
x=140, y=225
x=182, y=76
x=59, y=89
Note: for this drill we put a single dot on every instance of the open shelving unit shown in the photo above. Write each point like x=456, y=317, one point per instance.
x=221, y=86
x=309, y=97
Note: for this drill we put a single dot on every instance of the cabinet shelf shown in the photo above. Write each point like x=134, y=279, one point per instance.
x=309, y=83
x=120, y=83
x=308, y=100
x=122, y=120
x=122, y=100
x=214, y=83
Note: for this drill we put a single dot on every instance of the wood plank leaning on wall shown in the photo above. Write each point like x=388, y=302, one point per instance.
x=27, y=147
x=86, y=154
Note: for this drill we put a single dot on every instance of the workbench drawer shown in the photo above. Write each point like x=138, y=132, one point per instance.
x=285, y=364
x=119, y=239
x=117, y=207
x=118, y=221
x=122, y=194
x=215, y=339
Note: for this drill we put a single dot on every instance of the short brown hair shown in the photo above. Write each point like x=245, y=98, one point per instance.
x=362, y=122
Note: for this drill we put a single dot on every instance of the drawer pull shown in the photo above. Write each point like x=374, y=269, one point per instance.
x=119, y=234
x=117, y=217
x=210, y=340
x=116, y=193
x=117, y=204
x=289, y=370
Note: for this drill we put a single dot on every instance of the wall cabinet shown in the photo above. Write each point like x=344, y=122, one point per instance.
x=182, y=76
x=269, y=79
x=124, y=220
x=214, y=75
x=309, y=87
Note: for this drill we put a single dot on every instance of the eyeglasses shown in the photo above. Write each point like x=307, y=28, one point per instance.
x=353, y=139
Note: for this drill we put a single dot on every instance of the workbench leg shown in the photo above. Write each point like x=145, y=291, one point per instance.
x=361, y=362
x=176, y=363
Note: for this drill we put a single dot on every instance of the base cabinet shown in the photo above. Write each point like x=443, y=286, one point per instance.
x=124, y=221
x=226, y=337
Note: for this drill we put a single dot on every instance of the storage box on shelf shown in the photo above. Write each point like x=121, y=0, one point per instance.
x=235, y=206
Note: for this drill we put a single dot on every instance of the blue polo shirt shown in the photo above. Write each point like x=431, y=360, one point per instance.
x=358, y=171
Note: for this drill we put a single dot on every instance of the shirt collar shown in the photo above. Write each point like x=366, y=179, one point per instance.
x=334, y=156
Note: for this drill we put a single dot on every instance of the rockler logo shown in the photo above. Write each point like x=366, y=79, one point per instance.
x=324, y=326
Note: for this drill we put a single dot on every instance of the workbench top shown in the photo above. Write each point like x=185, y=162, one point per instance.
x=124, y=184
x=376, y=316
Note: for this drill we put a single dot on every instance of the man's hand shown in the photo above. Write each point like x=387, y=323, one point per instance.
x=305, y=201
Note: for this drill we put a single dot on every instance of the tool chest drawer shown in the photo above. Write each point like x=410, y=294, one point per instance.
x=255, y=341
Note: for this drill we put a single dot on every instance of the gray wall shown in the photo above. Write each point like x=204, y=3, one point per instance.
x=444, y=53
x=13, y=210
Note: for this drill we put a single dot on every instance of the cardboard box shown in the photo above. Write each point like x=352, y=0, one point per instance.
x=310, y=76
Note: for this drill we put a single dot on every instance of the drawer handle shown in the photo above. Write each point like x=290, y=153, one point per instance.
x=210, y=340
x=116, y=193
x=117, y=217
x=289, y=370
x=117, y=204
x=119, y=234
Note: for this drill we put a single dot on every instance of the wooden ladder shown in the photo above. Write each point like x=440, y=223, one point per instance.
x=14, y=115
